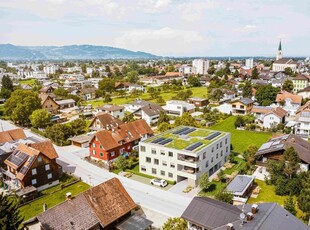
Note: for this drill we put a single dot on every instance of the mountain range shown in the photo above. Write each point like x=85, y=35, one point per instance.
x=71, y=52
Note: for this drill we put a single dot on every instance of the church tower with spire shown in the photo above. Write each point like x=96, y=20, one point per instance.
x=279, y=54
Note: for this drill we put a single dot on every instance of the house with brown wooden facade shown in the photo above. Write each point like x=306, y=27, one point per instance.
x=105, y=121
x=48, y=103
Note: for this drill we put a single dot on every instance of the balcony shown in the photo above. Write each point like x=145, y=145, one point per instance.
x=188, y=169
x=188, y=158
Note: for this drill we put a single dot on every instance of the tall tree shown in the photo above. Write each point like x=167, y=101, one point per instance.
x=217, y=95
x=133, y=76
x=304, y=196
x=247, y=89
x=185, y=119
x=106, y=85
x=193, y=81
x=175, y=223
x=290, y=205
x=40, y=118
x=204, y=182
x=21, y=105
x=9, y=214
x=254, y=73
x=164, y=126
x=7, y=83
x=266, y=95
x=288, y=85
x=291, y=160
x=163, y=117
x=225, y=196
x=249, y=154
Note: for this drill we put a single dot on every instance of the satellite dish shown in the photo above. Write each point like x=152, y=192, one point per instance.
x=242, y=216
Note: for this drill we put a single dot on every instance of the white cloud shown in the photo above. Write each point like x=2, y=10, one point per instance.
x=246, y=28
x=164, y=41
x=154, y=6
x=195, y=10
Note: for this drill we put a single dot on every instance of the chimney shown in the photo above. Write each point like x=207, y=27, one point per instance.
x=254, y=208
x=249, y=216
x=44, y=207
x=68, y=195
x=230, y=226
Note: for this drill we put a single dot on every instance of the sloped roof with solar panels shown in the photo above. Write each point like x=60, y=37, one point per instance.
x=186, y=138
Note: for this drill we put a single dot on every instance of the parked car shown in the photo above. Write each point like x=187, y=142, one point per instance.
x=159, y=182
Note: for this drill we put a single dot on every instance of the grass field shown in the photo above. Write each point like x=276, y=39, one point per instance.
x=34, y=208
x=27, y=81
x=197, y=92
x=241, y=139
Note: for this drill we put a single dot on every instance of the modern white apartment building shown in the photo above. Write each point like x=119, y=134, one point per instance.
x=50, y=69
x=184, y=153
x=200, y=66
x=249, y=63
x=177, y=108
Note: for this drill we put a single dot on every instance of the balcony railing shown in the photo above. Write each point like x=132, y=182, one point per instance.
x=188, y=159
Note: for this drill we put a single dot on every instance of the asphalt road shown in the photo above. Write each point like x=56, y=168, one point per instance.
x=70, y=157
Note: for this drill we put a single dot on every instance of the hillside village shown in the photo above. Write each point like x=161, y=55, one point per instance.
x=148, y=144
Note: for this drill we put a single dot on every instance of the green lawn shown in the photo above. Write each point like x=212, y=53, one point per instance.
x=241, y=139
x=215, y=188
x=27, y=81
x=197, y=92
x=240, y=163
x=36, y=207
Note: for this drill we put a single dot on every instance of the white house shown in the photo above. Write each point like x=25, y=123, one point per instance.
x=289, y=102
x=114, y=110
x=149, y=113
x=305, y=93
x=177, y=108
x=137, y=104
x=268, y=116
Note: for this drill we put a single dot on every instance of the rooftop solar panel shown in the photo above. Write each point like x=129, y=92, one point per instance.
x=187, y=131
x=28, y=165
x=165, y=141
x=212, y=136
x=193, y=146
x=17, y=158
x=180, y=130
x=158, y=140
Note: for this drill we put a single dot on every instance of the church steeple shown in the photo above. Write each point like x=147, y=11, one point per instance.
x=279, y=54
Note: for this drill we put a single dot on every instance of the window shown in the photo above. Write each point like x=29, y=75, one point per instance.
x=162, y=152
x=49, y=176
x=47, y=167
x=94, y=145
x=204, y=155
x=164, y=163
x=143, y=168
x=207, y=164
x=170, y=154
x=220, y=144
x=212, y=149
x=242, y=106
x=156, y=161
x=34, y=181
x=217, y=146
x=153, y=151
x=226, y=141
x=148, y=159
x=112, y=154
x=94, y=152
x=162, y=172
x=222, y=152
x=172, y=165
x=34, y=171
x=211, y=159
x=217, y=156
x=227, y=149
x=100, y=146
x=170, y=175
x=39, y=159
x=154, y=171
x=101, y=154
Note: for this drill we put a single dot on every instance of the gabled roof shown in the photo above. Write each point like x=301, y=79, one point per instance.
x=283, y=95
x=12, y=135
x=110, y=107
x=303, y=108
x=307, y=89
x=100, y=205
x=285, y=61
x=87, y=90
x=245, y=101
x=279, y=112
x=46, y=148
x=124, y=133
x=44, y=97
x=151, y=109
x=107, y=120
x=300, y=77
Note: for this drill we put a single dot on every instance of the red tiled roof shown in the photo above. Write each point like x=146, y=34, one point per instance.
x=46, y=148
x=282, y=96
x=12, y=135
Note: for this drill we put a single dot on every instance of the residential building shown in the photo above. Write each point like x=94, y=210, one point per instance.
x=300, y=82
x=200, y=66
x=50, y=69
x=65, y=104
x=105, y=121
x=88, y=93
x=106, y=206
x=288, y=101
x=136, y=87
x=206, y=213
x=47, y=90
x=48, y=103
x=241, y=187
x=149, y=113
x=302, y=126
x=249, y=63
x=184, y=153
x=242, y=106
x=33, y=165
x=305, y=93
x=107, y=145
x=115, y=110
x=268, y=116
x=198, y=101
x=177, y=108
x=186, y=69
x=137, y=104
x=275, y=147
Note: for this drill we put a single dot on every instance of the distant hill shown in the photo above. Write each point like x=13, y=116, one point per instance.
x=72, y=52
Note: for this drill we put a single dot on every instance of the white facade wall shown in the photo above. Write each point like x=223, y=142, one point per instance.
x=249, y=63
x=178, y=107
x=49, y=69
x=168, y=165
x=270, y=120
x=281, y=67
x=200, y=66
x=304, y=94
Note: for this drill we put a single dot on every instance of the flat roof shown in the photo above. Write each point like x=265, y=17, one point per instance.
x=135, y=222
x=240, y=184
x=186, y=138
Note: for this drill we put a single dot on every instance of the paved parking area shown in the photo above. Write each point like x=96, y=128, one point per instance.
x=179, y=187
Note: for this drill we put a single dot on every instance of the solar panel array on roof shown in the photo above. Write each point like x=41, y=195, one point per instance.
x=165, y=141
x=29, y=163
x=180, y=130
x=212, y=136
x=194, y=146
x=158, y=140
x=187, y=131
x=17, y=158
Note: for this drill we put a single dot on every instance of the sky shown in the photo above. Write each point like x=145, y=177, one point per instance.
x=162, y=27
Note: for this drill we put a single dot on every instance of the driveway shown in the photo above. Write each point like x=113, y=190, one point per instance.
x=179, y=187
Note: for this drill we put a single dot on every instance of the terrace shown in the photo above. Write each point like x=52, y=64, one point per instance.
x=186, y=138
